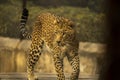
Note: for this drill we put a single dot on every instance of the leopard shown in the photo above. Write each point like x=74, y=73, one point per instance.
x=57, y=35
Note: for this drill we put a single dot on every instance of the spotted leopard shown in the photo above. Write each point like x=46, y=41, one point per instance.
x=57, y=35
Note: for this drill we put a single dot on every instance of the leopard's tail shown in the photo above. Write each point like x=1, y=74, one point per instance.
x=23, y=30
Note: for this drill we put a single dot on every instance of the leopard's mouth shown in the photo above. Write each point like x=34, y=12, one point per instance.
x=60, y=43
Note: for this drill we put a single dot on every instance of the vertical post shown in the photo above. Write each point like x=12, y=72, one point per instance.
x=111, y=68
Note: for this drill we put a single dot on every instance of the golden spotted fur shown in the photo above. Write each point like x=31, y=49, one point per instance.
x=57, y=35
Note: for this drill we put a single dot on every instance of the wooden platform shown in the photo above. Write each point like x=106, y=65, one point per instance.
x=23, y=76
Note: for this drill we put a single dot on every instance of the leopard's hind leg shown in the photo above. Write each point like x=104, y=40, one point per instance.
x=33, y=57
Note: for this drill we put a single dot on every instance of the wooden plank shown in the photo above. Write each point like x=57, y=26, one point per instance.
x=47, y=76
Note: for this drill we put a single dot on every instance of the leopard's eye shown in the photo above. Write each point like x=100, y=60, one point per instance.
x=63, y=33
x=55, y=32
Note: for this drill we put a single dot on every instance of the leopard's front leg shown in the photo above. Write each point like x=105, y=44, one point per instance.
x=33, y=57
x=58, y=62
x=73, y=58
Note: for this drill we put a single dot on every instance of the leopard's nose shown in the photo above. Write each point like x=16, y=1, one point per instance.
x=58, y=42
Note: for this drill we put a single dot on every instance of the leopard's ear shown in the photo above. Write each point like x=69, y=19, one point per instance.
x=56, y=21
x=71, y=23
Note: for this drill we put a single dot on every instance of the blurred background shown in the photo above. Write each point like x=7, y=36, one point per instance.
x=90, y=20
